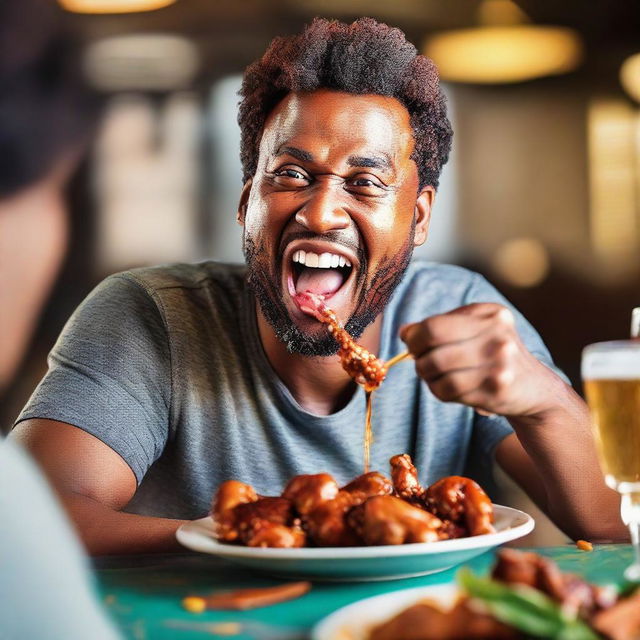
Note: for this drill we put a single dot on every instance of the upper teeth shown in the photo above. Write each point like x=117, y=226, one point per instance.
x=320, y=261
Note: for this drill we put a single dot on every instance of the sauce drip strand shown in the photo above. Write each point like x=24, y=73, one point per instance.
x=364, y=367
x=368, y=433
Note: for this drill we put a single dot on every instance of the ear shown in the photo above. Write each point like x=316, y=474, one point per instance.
x=423, y=214
x=244, y=201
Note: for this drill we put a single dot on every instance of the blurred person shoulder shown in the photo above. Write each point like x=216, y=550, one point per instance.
x=29, y=605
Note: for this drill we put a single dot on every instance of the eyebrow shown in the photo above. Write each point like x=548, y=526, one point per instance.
x=299, y=154
x=374, y=162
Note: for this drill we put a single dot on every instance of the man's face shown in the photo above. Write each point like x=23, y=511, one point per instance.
x=333, y=208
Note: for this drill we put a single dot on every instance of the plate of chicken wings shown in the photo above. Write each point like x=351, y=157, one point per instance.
x=372, y=528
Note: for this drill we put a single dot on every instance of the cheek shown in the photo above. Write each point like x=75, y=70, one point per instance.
x=386, y=232
x=266, y=214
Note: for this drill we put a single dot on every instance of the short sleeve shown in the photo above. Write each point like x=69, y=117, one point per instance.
x=110, y=373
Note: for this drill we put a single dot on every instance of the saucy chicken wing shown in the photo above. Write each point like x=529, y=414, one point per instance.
x=462, y=501
x=405, y=478
x=368, y=485
x=308, y=491
x=327, y=524
x=364, y=367
x=391, y=520
x=270, y=534
x=229, y=495
x=240, y=516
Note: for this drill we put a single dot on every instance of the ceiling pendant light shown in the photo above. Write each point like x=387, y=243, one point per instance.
x=113, y=6
x=504, y=48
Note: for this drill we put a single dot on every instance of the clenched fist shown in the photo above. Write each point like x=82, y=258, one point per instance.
x=474, y=355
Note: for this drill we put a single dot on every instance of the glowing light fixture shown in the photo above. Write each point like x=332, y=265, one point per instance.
x=503, y=48
x=522, y=261
x=150, y=61
x=113, y=6
x=630, y=76
x=614, y=138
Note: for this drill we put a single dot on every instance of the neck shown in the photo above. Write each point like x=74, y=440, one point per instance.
x=319, y=384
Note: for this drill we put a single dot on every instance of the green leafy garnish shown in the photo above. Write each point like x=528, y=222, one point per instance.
x=525, y=608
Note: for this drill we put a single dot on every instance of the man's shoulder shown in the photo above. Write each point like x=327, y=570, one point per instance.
x=430, y=288
x=435, y=286
x=154, y=280
x=422, y=270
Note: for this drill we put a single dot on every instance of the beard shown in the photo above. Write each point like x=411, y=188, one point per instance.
x=264, y=281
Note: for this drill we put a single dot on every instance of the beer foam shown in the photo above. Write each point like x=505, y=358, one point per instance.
x=611, y=361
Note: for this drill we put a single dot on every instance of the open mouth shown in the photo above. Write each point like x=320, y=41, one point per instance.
x=321, y=269
x=322, y=273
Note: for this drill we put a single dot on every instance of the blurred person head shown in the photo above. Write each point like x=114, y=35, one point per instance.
x=46, y=117
x=356, y=102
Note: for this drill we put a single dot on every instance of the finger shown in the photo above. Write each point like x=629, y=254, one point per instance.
x=484, y=388
x=476, y=352
x=464, y=323
x=454, y=385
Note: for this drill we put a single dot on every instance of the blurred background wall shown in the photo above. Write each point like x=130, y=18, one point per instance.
x=541, y=195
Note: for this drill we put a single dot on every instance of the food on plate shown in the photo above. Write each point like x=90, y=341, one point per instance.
x=527, y=596
x=243, y=599
x=370, y=510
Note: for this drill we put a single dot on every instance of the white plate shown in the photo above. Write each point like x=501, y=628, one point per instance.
x=355, y=621
x=359, y=563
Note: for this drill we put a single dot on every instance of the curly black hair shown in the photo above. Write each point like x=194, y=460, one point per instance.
x=363, y=57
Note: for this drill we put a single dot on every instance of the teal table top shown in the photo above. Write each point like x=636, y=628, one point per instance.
x=144, y=593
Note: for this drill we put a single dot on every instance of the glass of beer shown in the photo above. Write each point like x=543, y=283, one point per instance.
x=611, y=374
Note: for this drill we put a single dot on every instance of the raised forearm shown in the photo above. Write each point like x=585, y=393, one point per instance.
x=105, y=531
x=561, y=447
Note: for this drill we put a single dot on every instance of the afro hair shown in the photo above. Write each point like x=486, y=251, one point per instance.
x=364, y=57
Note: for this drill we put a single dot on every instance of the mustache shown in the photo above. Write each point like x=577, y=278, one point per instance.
x=336, y=237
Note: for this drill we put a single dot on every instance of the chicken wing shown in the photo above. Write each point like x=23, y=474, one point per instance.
x=390, y=520
x=462, y=501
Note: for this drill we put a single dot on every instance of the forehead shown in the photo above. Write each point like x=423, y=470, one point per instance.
x=332, y=124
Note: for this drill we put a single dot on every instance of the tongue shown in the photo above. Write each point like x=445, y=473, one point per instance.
x=322, y=281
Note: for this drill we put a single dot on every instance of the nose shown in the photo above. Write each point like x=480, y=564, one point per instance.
x=323, y=211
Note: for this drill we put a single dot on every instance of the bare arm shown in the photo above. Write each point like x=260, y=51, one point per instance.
x=473, y=355
x=563, y=478
x=95, y=484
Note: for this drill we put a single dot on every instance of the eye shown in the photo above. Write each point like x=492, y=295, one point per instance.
x=291, y=177
x=365, y=184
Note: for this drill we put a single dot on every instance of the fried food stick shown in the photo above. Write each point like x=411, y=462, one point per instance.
x=364, y=367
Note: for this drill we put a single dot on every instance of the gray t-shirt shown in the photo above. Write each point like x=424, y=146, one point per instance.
x=165, y=365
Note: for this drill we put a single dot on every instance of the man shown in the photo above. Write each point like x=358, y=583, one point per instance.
x=168, y=381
